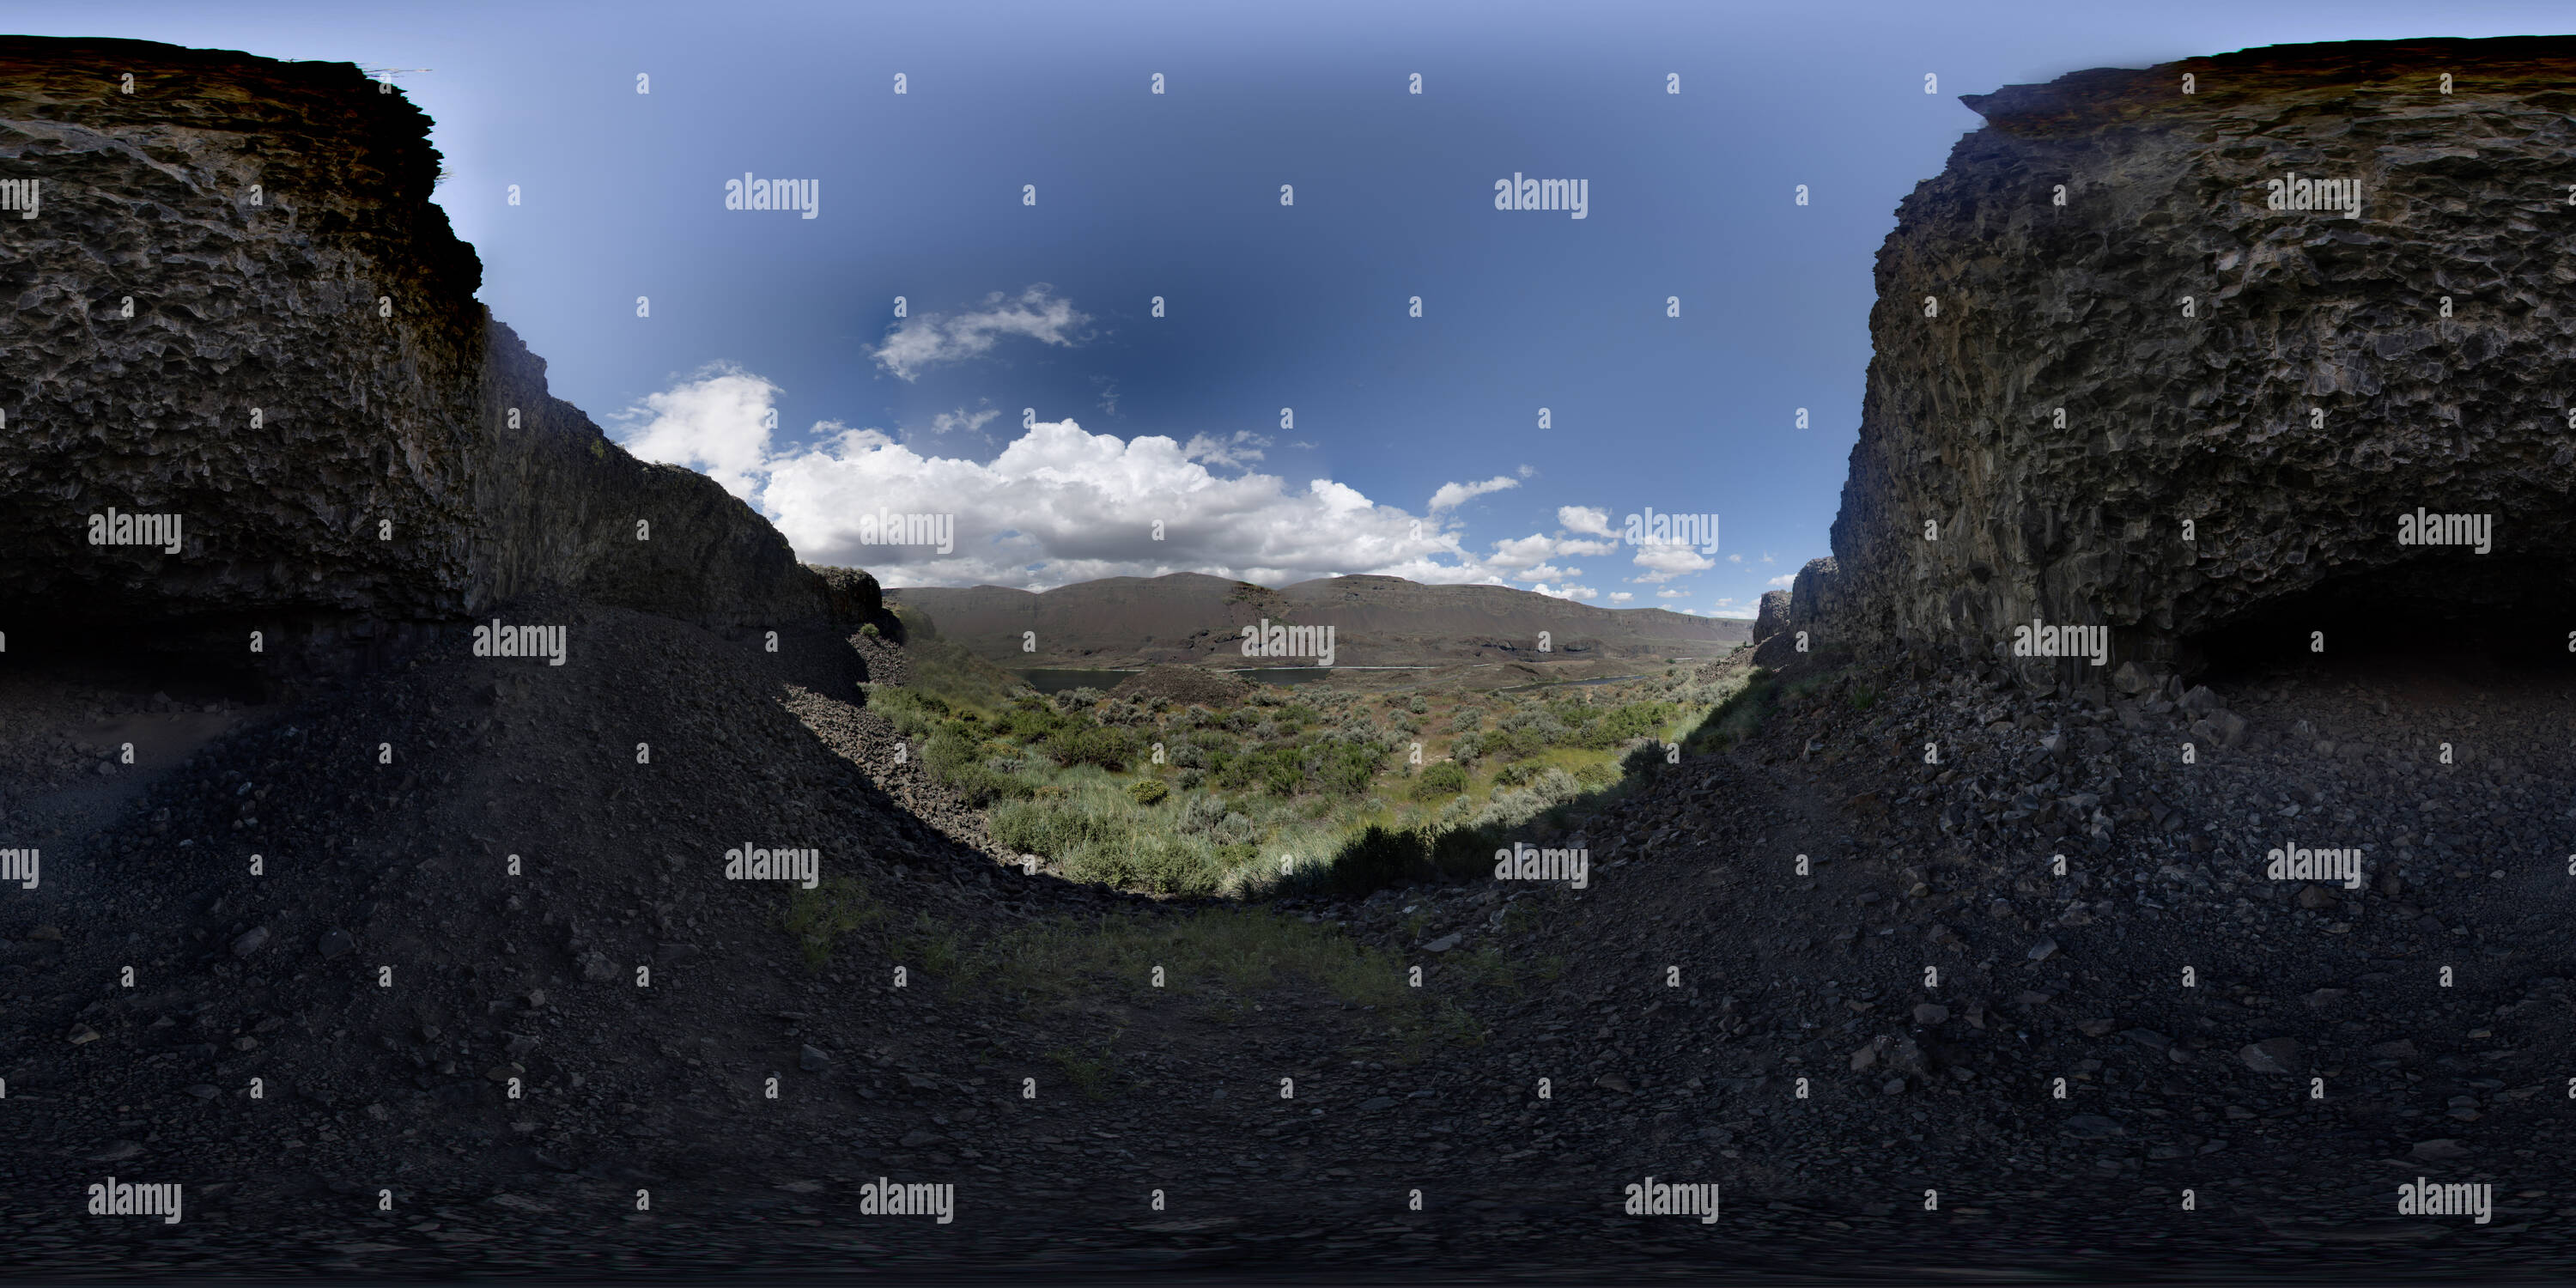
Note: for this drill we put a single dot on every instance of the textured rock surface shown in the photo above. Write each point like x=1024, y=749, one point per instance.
x=1772, y=616
x=2207, y=417
x=274, y=305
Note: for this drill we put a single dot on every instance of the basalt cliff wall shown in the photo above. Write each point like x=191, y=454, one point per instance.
x=235, y=303
x=2094, y=327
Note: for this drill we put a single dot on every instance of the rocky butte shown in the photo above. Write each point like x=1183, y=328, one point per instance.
x=236, y=304
x=2191, y=352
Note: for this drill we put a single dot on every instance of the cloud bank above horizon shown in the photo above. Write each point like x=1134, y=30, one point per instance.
x=1060, y=504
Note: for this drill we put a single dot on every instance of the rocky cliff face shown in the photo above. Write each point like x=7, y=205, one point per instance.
x=2094, y=328
x=234, y=303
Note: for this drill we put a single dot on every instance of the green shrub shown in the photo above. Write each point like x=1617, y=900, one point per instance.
x=1619, y=724
x=1109, y=851
x=913, y=714
x=1439, y=782
x=1280, y=771
x=1047, y=827
x=1160, y=864
x=1201, y=814
x=1091, y=744
x=1539, y=727
x=1347, y=769
x=954, y=760
x=1030, y=720
x=870, y=630
x=1148, y=791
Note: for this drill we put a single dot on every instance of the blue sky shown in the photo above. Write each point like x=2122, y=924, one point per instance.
x=1176, y=420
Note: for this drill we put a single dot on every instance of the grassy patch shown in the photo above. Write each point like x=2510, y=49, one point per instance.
x=962, y=678
x=818, y=917
x=932, y=948
x=1739, y=716
x=1301, y=790
x=1089, y=1073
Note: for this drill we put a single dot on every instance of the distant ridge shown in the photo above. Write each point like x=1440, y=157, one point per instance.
x=1378, y=621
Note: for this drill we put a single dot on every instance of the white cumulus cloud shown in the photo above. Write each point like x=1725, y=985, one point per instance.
x=1238, y=452
x=1663, y=563
x=1060, y=504
x=1585, y=519
x=1452, y=495
x=716, y=423
x=970, y=421
x=928, y=339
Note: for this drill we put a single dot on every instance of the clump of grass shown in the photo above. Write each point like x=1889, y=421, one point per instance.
x=1088, y=1073
x=818, y=917
x=1740, y=714
x=1096, y=832
x=934, y=949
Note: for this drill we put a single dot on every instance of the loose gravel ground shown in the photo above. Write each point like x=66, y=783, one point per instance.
x=387, y=976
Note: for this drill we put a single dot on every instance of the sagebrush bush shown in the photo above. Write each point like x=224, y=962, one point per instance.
x=1439, y=781
x=1090, y=744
